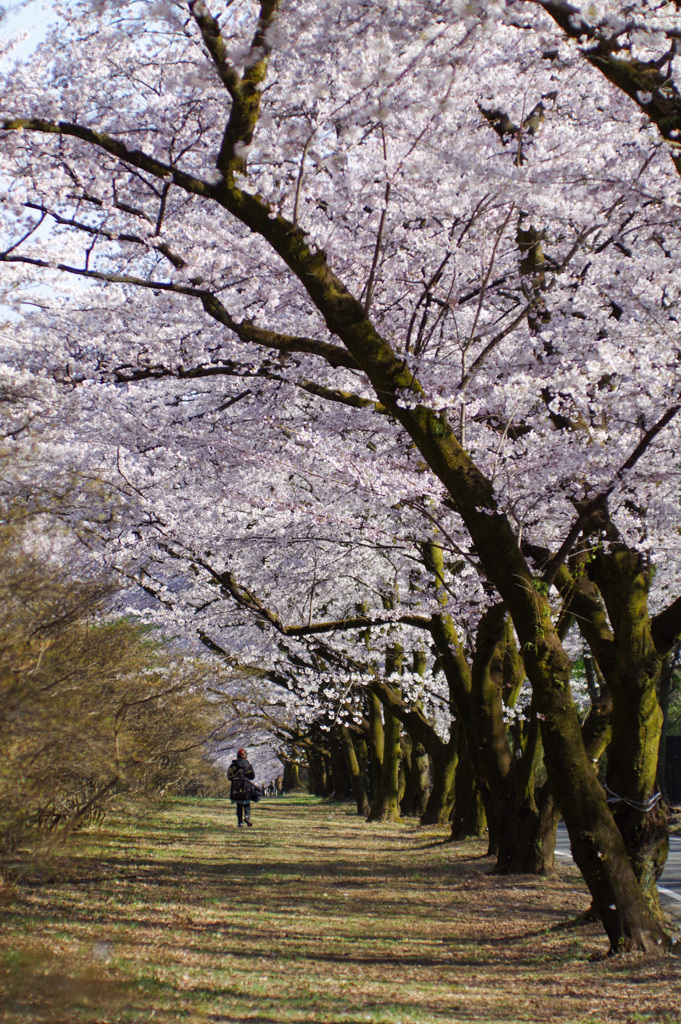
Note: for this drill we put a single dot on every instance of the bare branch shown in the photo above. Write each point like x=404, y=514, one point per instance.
x=20, y=241
x=490, y=346
x=371, y=282
x=301, y=171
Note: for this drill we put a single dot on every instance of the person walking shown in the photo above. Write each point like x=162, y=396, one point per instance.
x=240, y=772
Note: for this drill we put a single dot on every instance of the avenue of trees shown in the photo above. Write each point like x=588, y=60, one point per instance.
x=354, y=326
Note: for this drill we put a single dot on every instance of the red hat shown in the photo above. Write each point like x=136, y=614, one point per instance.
x=241, y=752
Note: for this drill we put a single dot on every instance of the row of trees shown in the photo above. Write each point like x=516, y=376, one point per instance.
x=383, y=366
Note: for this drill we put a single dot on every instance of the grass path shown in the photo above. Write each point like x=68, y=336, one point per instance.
x=311, y=916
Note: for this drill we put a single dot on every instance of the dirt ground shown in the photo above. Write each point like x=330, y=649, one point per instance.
x=311, y=916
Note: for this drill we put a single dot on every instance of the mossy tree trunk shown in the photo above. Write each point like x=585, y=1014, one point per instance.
x=375, y=744
x=443, y=766
x=316, y=769
x=417, y=780
x=442, y=755
x=510, y=773
x=291, y=776
x=626, y=713
x=634, y=674
x=417, y=772
x=665, y=691
x=405, y=771
x=469, y=817
x=385, y=805
x=356, y=771
x=506, y=781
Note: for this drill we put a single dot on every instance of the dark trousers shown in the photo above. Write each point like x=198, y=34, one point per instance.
x=243, y=810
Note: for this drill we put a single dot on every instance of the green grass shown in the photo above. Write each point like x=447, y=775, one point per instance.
x=311, y=916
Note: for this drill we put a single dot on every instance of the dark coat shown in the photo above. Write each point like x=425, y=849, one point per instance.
x=240, y=769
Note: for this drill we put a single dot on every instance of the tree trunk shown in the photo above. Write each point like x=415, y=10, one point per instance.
x=405, y=771
x=342, y=784
x=418, y=782
x=416, y=765
x=515, y=820
x=316, y=772
x=597, y=846
x=443, y=763
x=526, y=830
x=468, y=816
x=357, y=776
x=666, y=687
x=477, y=692
x=327, y=774
x=413, y=719
x=375, y=745
x=386, y=803
x=291, y=777
x=631, y=773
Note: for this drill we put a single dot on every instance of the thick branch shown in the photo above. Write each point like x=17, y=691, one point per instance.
x=134, y=157
x=215, y=44
x=341, y=397
x=245, y=90
x=413, y=718
x=244, y=330
x=247, y=331
x=653, y=91
x=582, y=598
x=666, y=627
x=245, y=598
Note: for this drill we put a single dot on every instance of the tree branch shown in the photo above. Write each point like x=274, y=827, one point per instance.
x=653, y=92
x=245, y=598
x=245, y=330
x=134, y=157
x=666, y=627
x=245, y=89
x=412, y=718
x=592, y=506
x=215, y=44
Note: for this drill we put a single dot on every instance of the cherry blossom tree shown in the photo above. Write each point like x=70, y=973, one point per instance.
x=440, y=222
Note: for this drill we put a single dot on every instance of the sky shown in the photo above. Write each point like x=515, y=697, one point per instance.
x=30, y=16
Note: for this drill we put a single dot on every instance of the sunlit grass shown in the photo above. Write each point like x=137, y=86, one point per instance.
x=311, y=916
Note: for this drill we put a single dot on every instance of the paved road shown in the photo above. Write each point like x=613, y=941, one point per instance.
x=670, y=883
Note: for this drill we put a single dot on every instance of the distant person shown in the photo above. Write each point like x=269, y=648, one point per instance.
x=279, y=785
x=240, y=773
